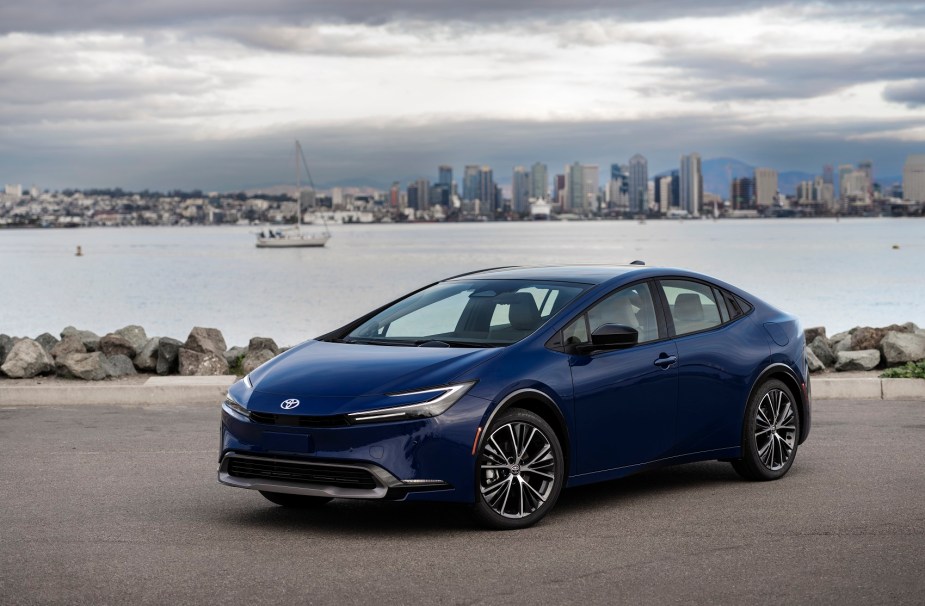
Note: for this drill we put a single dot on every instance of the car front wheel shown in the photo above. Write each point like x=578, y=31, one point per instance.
x=770, y=433
x=520, y=470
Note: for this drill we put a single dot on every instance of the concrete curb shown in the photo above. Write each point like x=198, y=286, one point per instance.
x=154, y=391
x=210, y=390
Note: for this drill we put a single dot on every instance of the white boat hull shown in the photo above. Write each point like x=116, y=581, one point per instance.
x=293, y=242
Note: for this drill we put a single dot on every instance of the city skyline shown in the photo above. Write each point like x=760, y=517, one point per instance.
x=198, y=95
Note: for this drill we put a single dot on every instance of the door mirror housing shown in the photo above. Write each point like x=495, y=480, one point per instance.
x=610, y=336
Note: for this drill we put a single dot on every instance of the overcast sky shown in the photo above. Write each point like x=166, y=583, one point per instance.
x=211, y=93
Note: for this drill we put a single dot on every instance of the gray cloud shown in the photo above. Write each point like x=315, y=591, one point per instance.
x=912, y=94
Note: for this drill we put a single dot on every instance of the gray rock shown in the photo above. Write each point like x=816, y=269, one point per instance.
x=911, y=326
x=90, y=339
x=811, y=333
x=866, y=359
x=6, y=344
x=261, y=343
x=899, y=348
x=118, y=365
x=27, y=359
x=838, y=337
x=113, y=344
x=823, y=352
x=68, y=345
x=194, y=363
x=86, y=366
x=234, y=354
x=168, y=356
x=47, y=340
x=147, y=358
x=866, y=337
x=813, y=362
x=843, y=345
x=135, y=335
x=206, y=340
x=253, y=359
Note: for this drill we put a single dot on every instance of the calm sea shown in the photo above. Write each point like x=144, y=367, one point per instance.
x=832, y=273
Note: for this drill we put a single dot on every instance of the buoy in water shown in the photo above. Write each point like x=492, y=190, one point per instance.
x=896, y=247
x=79, y=252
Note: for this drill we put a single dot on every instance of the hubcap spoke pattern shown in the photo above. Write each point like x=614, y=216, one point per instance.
x=775, y=429
x=517, y=469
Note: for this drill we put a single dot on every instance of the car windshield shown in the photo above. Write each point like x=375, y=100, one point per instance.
x=468, y=313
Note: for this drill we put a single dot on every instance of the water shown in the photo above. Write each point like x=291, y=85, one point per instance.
x=835, y=274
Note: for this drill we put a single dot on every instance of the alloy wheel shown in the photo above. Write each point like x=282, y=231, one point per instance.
x=775, y=429
x=517, y=470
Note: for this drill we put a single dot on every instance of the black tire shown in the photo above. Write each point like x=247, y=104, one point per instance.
x=770, y=433
x=534, y=478
x=295, y=501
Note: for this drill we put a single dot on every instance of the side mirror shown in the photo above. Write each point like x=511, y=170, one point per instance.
x=610, y=336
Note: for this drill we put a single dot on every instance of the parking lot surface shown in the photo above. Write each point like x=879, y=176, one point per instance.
x=119, y=505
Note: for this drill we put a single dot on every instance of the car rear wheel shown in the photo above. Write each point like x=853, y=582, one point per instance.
x=770, y=433
x=520, y=470
x=295, y=501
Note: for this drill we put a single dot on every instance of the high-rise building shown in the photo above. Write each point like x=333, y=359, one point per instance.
x=638, y=184
x=867, y=168
x=765, y=187
x=742, y=193
x=395, y=195
x=828, y=174
x=471, y=182
x=445, y=175
x=520, y=190
x=618, y=189
x=691, y=184
x=486, y=190
x=423, y=194
x=664, y=194
x=560, y=191
x=574, y=188
x=539, y=181
x=592, y=183
x=843, y=171
x=914, y=178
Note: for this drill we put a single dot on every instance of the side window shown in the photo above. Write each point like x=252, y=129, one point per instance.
x=576, y=332
x=693, y=307
x=631, y=306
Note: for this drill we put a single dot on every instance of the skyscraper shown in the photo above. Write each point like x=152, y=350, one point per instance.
x=445, y=173
x=592, y=180
x=471, y=182
x=520, y=190
x=638, y=184
x=914, y=178
x=867, y=167
x=539, y=181
x=691, y=184
x=843, y=171
x=618, y=188
x=765, y=187
x=486, y=189
x=742, y=193
x=574, y=188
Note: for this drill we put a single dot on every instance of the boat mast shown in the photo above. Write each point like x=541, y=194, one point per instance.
x=298, y=185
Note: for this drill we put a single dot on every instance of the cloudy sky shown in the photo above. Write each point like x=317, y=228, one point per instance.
x=211, y=93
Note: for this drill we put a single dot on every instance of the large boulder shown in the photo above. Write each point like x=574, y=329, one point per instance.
x=168, y=356
x=813, y=362
x=87, y=366
x=261, y=343
x=6, y=344
x=823, y=352
x=206, y=340
x=68, y=345
x=235, y=355
x=146, y=359
x=117, y=345
x=811, y=333
x=253, y=359
x=26, y=360
x=90, y=339
x=843, y=345
x=866, y=337
x=899, y=348
x=866, y=359
x=47, y=340
x=194, y=363
x=135, y=335
x=118, y=365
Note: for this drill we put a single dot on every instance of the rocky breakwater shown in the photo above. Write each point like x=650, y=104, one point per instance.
x=82, y=354
x=864, y=347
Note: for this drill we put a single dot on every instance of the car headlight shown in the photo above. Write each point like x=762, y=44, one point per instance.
x=232, y=406
x=431, y=402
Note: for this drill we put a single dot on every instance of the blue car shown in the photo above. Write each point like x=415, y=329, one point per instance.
x=500, y=388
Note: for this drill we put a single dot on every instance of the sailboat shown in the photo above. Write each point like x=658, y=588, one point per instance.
x=294, y=237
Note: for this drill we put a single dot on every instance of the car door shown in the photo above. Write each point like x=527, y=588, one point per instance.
x=625, y=399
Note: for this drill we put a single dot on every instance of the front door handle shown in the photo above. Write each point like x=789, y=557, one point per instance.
x=664, y=360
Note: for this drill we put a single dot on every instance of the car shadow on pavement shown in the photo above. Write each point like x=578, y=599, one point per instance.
x=383, y=518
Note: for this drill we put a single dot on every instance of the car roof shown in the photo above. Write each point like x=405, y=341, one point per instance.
x=584, y=274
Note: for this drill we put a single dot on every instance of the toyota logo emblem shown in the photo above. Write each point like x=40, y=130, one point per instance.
x=289, y=404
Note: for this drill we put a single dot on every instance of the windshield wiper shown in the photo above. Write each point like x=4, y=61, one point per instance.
x=379, y=342
x=448, y=343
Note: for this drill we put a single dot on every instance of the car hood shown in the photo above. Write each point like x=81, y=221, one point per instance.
x=319, y=369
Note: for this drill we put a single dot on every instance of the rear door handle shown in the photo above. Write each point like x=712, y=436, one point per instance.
x=664, y=360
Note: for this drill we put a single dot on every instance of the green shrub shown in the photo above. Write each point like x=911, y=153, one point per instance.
x=912, y=370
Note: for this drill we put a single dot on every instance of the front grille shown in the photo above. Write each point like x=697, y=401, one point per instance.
x=308, y=473
x=268, y=418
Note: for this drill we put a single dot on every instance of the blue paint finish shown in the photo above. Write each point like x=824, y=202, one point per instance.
x=619, y=411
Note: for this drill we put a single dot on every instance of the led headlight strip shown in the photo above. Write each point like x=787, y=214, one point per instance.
x=441, y=398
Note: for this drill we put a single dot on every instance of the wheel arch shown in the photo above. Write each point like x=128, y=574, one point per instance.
x=785, y=374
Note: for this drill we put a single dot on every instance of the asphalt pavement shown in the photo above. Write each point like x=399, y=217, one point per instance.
x=119, y=505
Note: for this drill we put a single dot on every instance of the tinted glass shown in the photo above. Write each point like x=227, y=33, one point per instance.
x=468, y=313
x=692, y=305
x=631, y=306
